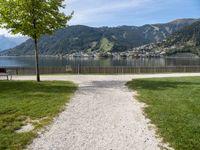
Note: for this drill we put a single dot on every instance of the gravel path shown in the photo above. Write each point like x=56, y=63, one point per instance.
x=103, y=115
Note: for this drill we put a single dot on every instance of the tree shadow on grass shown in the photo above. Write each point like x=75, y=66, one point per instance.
x=34, y=87
x=158, y=85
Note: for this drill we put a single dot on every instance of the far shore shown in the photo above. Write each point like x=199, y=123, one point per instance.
x=104, y=57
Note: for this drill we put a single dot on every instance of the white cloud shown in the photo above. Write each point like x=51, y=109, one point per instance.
x=89, y=11
x=4, y=32
x=97, y=12
x=122, y=12
x=92, y=12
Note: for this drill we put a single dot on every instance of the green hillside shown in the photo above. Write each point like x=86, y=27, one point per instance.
x=184, y=40
x=86, y=39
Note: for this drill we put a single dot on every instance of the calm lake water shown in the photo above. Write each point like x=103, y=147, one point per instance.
x=58, y=62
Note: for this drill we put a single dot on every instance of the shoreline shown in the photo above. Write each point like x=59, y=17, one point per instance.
x=97, y=57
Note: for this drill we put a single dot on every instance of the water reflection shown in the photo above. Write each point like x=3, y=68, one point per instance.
x=56, y=62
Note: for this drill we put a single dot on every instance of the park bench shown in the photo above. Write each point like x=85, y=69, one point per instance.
x=5, y=73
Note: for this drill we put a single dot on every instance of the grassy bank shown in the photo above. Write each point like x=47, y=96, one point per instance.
x=24, y=102
x=173, y=105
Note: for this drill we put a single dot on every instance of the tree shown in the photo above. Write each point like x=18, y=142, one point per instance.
x=33, y=18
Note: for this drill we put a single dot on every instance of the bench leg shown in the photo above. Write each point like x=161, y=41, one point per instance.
x=7, y=78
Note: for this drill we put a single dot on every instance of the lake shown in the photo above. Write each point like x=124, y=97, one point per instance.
x=104, y=62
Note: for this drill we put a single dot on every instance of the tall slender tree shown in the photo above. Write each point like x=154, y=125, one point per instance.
x=33, y=18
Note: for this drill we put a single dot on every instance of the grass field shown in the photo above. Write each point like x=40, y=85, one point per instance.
x=173, y=105
x=23, y=102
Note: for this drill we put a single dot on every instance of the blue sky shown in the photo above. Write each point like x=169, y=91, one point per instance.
x=129, y=12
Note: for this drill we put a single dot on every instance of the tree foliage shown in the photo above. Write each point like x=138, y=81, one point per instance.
x=32, y=18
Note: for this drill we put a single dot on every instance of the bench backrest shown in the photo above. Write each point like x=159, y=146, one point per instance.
x=2, y=70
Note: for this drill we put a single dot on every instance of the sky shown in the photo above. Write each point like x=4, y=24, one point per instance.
x=111, y=13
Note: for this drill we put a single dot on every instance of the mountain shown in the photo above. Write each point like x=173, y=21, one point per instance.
x=104, y=39
x=10, y=42
x=184, y=40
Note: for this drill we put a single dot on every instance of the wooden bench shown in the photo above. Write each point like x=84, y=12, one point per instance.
x=5, y=73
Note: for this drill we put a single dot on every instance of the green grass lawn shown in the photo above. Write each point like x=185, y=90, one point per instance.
x=23, y=102
x=173, y=105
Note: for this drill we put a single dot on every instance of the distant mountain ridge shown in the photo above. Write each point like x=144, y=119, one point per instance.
x=104, y=39
x=184, y=40
x=10, y=42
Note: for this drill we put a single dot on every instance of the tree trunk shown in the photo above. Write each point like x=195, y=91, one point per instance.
x=37, y=61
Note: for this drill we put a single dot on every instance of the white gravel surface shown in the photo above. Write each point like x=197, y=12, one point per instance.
x=103, y=115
